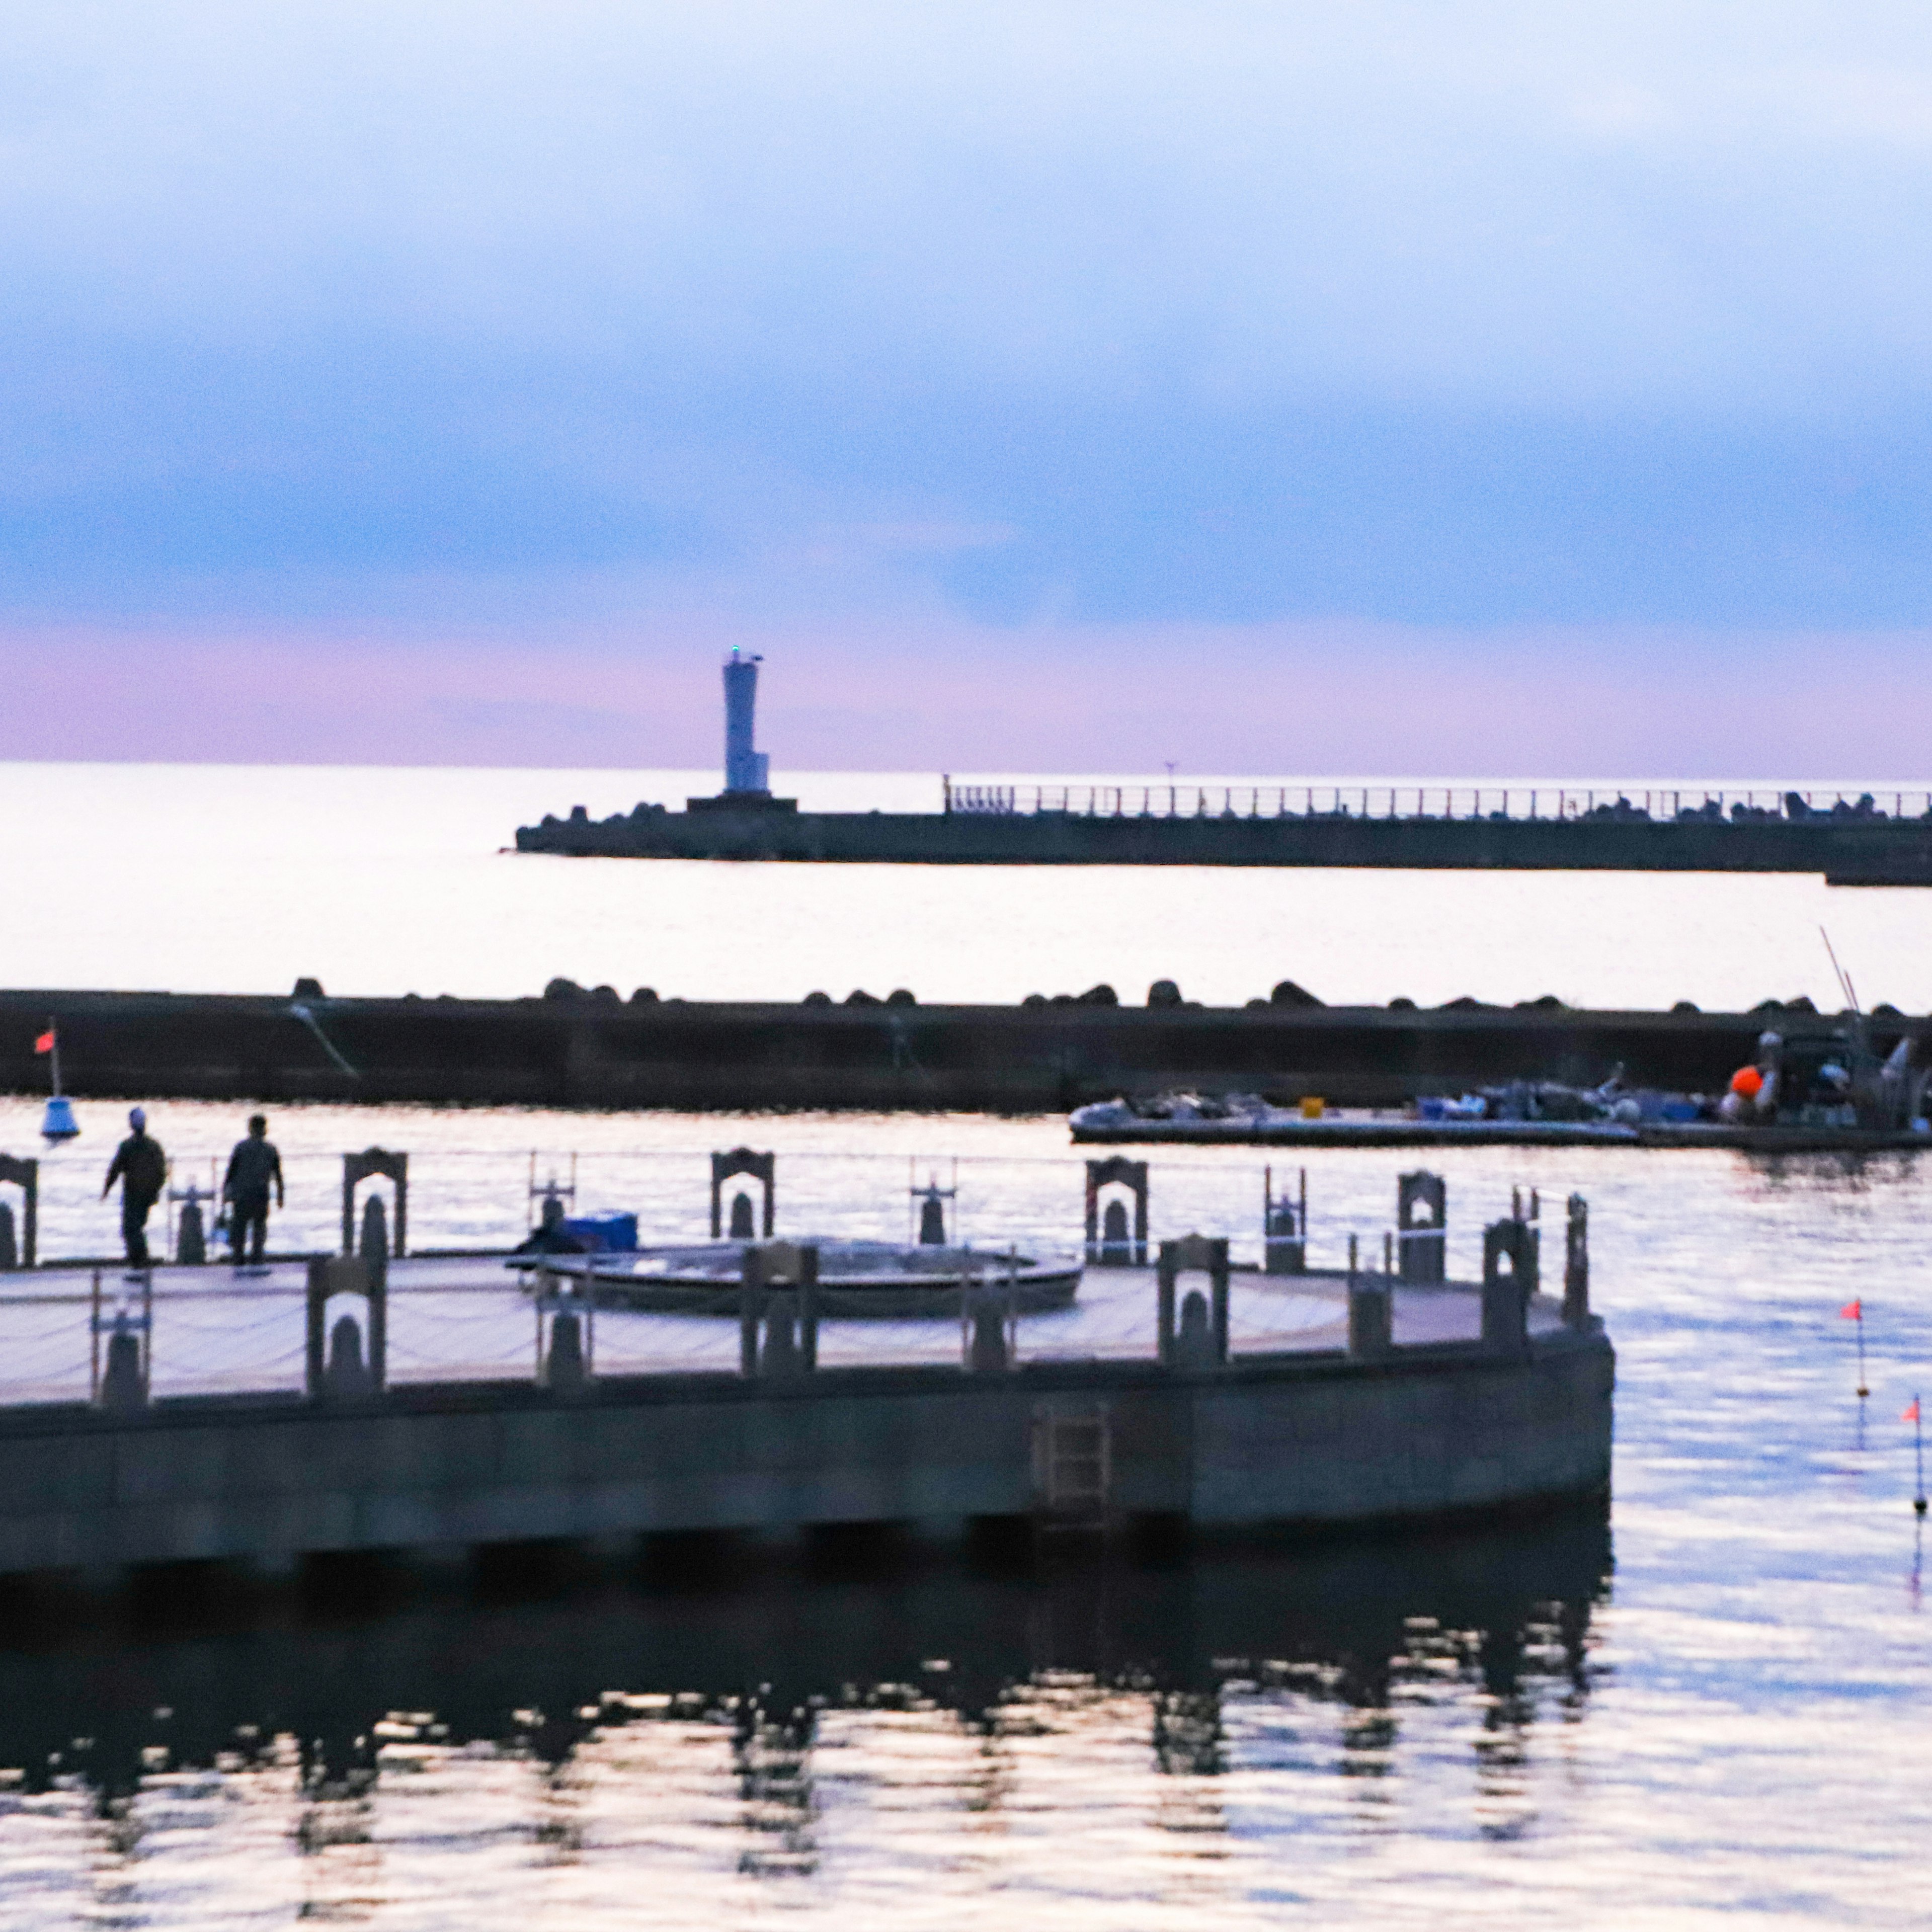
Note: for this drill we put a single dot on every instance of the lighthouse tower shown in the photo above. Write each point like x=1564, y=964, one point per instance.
x=746, y=768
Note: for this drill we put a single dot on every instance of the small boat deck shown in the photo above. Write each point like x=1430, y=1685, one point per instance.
x=1366, y=1129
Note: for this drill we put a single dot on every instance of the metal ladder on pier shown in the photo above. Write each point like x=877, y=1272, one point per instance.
x=1073, y=1467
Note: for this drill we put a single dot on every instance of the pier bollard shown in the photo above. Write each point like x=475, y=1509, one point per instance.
x=762, y=1167
x=1509, y=1280
x=346, y=1378
x=25, y=1175
x=566, y=1346
x=1208, y=1255
x=1284, y=1227
x=9, y=1252
x=778, y=1332
x=1577, y=1265
x=190, y=1235
x=565, y=1371
x=1115, y=1247
x=808, y=1319
x=1422, y=1225
x=371, y=1163
x=191, y=1228
x=984, y=1312
x=374, y=1246
x=330, y=1275
x=751, y=1318
x=1194, y=1345
x=123, y=1384
x=779, y=1356
x=1371, y=1317
x=932, y=1199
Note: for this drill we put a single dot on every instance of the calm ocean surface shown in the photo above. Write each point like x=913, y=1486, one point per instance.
x=234, y=879
x=1711, y=1707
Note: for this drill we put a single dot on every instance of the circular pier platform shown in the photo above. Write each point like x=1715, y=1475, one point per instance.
x=884, y=1279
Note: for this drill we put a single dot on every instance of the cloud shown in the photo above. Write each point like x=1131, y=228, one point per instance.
x=457, y=322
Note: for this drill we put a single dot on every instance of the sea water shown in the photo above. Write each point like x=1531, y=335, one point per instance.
x=1709, y=1705
x=239, y=879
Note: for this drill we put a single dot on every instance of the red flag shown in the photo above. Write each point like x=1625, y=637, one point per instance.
x=1912, y=1414
x=45, y=1044
x=1852, y=1311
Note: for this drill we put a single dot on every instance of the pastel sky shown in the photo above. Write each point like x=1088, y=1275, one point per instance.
x=1489, y=388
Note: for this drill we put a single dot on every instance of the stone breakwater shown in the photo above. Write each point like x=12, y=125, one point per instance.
x=1849, y=847
x=594, y=1049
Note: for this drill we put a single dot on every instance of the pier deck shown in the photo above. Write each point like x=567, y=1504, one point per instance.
x=234, y=1458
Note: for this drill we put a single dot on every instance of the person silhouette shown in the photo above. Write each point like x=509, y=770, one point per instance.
x=253, y=1166
x=142, y=1168
x=550, y=1236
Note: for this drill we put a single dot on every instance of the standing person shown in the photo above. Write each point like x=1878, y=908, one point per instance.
x=252, y=1167
x=142, y=1168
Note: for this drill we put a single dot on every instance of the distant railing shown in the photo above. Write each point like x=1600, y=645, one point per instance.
x=1432, y=802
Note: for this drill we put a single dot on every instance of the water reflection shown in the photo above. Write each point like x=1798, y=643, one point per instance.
x=721, y=1716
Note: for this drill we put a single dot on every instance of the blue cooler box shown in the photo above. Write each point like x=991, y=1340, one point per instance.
x=607, y=1233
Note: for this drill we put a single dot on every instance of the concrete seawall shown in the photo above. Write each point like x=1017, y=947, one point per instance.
x=1310, y=1438
x=1872, y=851
x=604, y=1052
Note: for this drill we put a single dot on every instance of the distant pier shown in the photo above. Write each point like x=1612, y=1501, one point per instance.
x=1880, y=837
x=1859, y=838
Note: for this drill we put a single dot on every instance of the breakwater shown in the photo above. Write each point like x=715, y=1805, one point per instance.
x=1856, y=841
x=594, y=1049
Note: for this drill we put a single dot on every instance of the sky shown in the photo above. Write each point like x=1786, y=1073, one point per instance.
x=1483, y=389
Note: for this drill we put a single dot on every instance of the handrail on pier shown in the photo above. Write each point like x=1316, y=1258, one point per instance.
x=1794, y=805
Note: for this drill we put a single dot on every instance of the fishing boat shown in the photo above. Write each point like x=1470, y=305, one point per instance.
x=1816, y=1091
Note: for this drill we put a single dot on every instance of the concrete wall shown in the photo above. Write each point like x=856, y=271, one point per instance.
x=1308, y=1438
x=698, y=1055
x=1870, y=849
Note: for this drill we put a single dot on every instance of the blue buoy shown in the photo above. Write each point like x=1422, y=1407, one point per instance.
x=57, y=1123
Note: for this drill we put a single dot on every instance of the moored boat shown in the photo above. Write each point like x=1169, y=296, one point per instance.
x=1822, y=1091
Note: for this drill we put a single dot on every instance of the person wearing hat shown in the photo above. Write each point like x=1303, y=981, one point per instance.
x=1753, y=1092
x=142, y=1168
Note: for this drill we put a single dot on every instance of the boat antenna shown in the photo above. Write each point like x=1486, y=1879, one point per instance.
x=1844, y=978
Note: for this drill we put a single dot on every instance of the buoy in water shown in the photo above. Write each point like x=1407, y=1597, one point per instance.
x=57, y=1123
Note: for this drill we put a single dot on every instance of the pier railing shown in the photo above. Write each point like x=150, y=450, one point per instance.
x=456, y=1309
x=1794, y=805
x=467, y=1200
x=74, y=1337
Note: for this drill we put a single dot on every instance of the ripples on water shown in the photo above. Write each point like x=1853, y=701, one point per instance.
x=889, y=1730
x=1492, y=1728
x=1482, y=1729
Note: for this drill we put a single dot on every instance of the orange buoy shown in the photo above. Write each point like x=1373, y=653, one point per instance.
x=1748, y=1082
